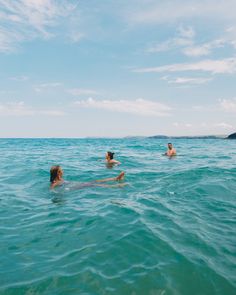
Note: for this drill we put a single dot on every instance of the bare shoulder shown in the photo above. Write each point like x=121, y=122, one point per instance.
x=114, y=162
x=52, y=185
x=56, y=183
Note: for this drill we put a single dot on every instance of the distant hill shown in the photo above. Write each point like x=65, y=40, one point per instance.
x=159, y=136
x=187, y=137
x=232, y=136
x=166, y=137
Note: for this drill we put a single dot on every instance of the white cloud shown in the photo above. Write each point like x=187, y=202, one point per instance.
x=20, y=109
x=186, y=32
x=206, y=48
x=27, y=19
x=42, y=86
x=161, y=47
x=183, y=11
x=228, y=105
x=138, y=107
x=223, y=66
x=197, y=51
x=169, y=45
x=230, y=35
x=185, y=80
x=224, y=125
x=52, y=84
x=171, y=11
x=187, y=44
x=184, y=38
x=20, y=78
x=81, y=91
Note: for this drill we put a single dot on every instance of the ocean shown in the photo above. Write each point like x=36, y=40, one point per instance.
x=170, y=230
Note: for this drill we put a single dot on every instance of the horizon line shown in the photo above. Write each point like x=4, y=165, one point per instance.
x=118, y=137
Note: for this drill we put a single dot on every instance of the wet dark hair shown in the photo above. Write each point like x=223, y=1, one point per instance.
x=54, y=172
x=169, y=143
x=110, y=154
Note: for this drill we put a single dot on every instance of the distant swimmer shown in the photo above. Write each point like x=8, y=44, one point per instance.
x=170, y=151
x=110, y=159
x=56, y=179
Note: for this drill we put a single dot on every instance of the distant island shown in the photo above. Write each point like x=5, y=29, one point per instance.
x=188, y=137
x=232, y=136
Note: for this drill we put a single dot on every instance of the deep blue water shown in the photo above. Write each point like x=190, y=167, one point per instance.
x=170, y=230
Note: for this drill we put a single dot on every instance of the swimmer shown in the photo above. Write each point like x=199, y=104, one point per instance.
x=110, y=160
x=56, y=174
x=170, y=151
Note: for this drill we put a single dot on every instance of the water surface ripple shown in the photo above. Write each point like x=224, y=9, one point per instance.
x=171, y=230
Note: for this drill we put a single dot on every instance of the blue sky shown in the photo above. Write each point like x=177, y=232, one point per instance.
x=116, y=68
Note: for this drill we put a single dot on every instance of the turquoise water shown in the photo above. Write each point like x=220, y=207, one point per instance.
x=171, y=230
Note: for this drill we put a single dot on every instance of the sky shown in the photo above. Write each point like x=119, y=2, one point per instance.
x=117, y=68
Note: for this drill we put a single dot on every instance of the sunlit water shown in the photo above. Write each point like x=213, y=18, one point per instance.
x=171, y=230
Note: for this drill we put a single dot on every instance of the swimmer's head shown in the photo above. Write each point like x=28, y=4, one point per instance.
x=109, y=155
x=56, y=173
x=170, y=146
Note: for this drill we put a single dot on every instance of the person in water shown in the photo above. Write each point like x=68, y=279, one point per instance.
x=170, y=151
x=56, y=179
x=110, y=159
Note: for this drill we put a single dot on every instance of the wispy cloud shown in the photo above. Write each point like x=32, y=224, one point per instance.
x=138, y=107
x=228, y=105
x=184, y=38
x=179, y=11
x=81, y=91
x=170, y=44
x=19, y=78
x=230, y=35
x=223, y=66
x=171, y=11
x=21, y=109
x=27, y=19
x=205, y=48
x=224, y=125
x=186, y=32
x=187, y=80
x=186, y=42
x=197, y=50
x=40, y=87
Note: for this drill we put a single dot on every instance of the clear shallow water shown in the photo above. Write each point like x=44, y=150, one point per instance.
x=171, y=230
